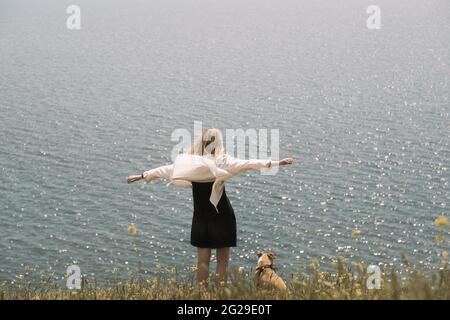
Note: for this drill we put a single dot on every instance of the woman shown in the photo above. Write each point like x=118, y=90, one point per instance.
x=205, y=167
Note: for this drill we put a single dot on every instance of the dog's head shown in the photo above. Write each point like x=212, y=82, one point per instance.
x=265, y=258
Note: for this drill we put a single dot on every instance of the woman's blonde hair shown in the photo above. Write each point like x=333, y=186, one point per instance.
x=210, y=143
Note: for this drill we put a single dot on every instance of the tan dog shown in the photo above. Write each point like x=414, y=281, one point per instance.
x=265, y=275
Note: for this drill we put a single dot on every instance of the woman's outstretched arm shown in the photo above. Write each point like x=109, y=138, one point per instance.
x=160, y=172
x=236, y=165
x=286, y=161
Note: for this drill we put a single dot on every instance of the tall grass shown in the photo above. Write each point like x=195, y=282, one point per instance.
x=348, y=281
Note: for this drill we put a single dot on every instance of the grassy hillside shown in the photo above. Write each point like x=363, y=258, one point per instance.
x=347, y=282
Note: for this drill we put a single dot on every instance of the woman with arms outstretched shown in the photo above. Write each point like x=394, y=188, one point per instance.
x=205, y=167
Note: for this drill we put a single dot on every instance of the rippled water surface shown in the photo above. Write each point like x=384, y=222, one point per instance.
x=365, y=113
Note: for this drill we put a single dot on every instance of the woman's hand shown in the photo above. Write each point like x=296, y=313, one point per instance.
x=132, y=179
x=286, y=161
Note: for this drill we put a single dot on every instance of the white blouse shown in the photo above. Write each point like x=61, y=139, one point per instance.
x=193, y=168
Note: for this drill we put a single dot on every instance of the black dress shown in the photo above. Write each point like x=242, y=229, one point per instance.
x=212, y=229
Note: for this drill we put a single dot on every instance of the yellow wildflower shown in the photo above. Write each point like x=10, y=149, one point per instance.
x=172, y=270
x=439, y=238
x=356, y=233
x=132, y=229
x=441, y=221
x=315, y=264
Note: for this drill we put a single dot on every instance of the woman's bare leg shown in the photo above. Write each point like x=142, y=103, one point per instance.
x=223, y=256
x=203, y=258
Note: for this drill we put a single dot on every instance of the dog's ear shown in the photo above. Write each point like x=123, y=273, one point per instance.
x=271, y=255
x=259, y=254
